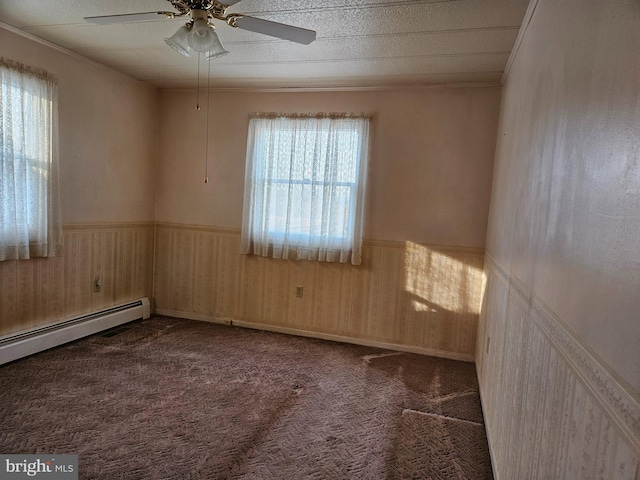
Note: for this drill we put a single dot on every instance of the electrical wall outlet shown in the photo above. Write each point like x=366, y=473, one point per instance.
x=97, y=283
x=299, y=292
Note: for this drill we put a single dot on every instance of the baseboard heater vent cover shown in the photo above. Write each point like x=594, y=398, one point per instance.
x=33, y=341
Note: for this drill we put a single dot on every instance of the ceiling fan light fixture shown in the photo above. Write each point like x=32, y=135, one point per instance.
x=179, y=41
x=202, y=37
x=216, y=49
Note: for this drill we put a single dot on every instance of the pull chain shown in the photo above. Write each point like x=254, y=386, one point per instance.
x=206, y=154
x=198, y=87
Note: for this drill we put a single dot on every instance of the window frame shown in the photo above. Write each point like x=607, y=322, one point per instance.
x=29, y=133
x=279, y=236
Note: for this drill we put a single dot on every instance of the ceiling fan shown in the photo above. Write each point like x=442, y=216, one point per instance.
x=199, y=35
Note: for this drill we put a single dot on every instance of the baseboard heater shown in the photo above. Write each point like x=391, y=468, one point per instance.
x=33, y=341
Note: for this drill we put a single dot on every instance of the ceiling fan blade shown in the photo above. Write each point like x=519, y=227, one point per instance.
x=128, y=17
x=273, y=29
x=228, y=3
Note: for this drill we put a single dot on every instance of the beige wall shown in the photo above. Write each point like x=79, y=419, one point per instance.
x=429, y=184
x=558, y=350
x=108, y=130
x=430, y=167
x=108, y=148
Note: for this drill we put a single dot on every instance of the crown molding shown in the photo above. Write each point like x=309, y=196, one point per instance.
x=77, y=56
x=519, y=39
x=320, y=89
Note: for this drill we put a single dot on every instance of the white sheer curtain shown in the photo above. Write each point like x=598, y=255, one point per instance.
x=29, y=215
x=304, y=186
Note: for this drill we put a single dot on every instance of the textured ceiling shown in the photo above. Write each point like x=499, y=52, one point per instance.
x=359, y=43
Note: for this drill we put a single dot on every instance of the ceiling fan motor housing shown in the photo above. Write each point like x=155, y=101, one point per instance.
x=197, y=14
x=212, y=8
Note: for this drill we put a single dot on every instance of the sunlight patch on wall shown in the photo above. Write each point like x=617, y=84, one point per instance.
x=439, y=280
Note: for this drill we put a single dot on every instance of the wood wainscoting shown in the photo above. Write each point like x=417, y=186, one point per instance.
x=43, y=291
x=409, y=296
x=552, y=409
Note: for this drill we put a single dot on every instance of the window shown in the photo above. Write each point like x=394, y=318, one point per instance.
x=304, y=186
x=29, y=218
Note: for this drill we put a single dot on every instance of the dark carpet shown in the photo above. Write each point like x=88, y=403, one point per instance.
x=180, y=399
